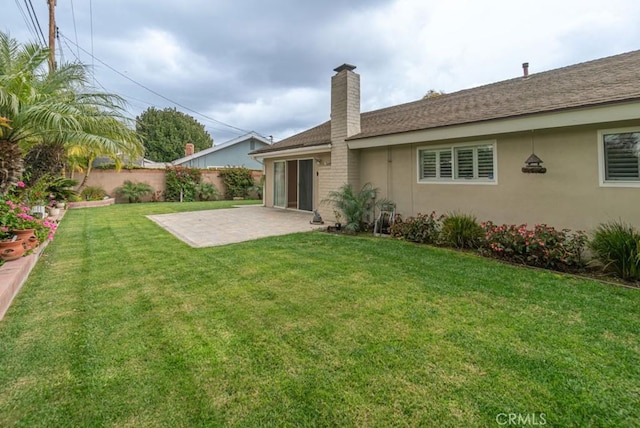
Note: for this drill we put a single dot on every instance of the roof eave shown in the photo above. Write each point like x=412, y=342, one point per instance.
x=321, y=148
x=552, y=119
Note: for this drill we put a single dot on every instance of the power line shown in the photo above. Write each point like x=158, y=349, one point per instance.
x=26, y=21
x=75, y=28
x=93, y=68
x=244, y=131
x=34, y=20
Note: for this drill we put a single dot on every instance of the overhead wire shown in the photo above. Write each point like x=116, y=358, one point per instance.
x=157, y=93
x=34, y=20
x=26, y=21
x=75, y=27
x=211, y=119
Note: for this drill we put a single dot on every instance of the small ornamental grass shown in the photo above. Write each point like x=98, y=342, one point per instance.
x=617, y=246
x=461, y=231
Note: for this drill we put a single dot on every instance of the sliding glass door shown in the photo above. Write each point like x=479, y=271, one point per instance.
x=279, y=184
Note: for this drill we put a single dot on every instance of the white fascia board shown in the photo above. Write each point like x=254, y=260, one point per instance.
x=585, y=116
x=292, y=152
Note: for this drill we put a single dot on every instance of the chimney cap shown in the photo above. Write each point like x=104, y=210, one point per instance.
x=343, y=67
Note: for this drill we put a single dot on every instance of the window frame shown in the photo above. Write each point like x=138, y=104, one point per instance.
x=454, y=169
x=602, y=158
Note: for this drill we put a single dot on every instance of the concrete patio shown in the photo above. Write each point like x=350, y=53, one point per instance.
x=228, y=226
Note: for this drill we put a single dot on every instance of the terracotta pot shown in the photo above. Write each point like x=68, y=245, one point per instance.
x=11, y=250
x=28, y=237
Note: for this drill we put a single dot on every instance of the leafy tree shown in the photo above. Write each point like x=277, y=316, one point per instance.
x=38, y=106
x=165, y=133
x=432, y=93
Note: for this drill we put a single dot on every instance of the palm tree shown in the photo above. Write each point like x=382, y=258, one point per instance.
x=39, y=105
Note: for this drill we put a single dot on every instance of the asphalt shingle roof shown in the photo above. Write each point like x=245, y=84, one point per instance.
x=602, y=81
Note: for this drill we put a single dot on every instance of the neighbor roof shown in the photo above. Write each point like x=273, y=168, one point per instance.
x=602, y=81
x=245, y=137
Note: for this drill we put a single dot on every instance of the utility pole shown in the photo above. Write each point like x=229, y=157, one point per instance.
x=52, y=35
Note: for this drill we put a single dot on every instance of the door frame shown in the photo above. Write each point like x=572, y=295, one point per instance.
x=286, y=183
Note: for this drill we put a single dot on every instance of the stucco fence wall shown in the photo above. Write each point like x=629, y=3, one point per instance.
x=110, y=180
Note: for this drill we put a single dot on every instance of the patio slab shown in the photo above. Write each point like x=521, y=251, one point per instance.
x=227, y=226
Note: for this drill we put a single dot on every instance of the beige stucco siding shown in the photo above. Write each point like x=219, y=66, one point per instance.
x=568, y=195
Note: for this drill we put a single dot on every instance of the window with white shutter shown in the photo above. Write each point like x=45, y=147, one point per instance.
x=619, y=151
x=457, y=163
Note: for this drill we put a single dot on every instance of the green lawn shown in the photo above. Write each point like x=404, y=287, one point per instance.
x=121, y=324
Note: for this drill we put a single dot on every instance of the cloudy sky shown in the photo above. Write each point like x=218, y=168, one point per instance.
x=266, y=65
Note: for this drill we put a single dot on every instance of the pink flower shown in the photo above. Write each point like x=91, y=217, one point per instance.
x=21, y=184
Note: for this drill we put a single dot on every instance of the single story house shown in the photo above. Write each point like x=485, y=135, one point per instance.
x=230, y=153
x=466, y=151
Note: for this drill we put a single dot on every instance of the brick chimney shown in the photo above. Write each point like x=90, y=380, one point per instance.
x=345, y=102
x=345, y=122
x=189, y=149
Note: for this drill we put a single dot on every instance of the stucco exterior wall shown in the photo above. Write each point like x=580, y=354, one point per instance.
x=567, y=196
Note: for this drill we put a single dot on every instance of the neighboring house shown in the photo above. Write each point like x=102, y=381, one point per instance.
x=465, y=151
x=231, y=153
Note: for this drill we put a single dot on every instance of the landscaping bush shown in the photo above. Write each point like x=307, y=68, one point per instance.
x=543, y=246
x=355, y=206
x=181, y=180
x=424, y=228
x=461, y=231
x=617, y=246
x=237, y=182
x=61, y=188
x=133, y=191
x=207, y=192
x=92, y=193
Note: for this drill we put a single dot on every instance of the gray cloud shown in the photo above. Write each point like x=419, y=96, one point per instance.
x=266, y=66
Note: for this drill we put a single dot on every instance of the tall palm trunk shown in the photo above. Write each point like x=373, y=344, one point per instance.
x=10, y=164
x=87, y=171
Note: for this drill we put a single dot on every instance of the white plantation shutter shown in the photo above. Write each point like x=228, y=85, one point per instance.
x=485, y=162
x=428, y=167
x=621, y=153
x=464, y=163
x=446, y=169
x=457, y=163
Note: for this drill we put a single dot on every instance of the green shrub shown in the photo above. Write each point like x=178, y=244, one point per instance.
x=93, y=193
x=424, y=228
x=355, y=206
x=207, y=192
x=461, y=231
x=617, y=246
x=237, y=182
x=133, y=191
x=542, y=246
x=61, y=188
x=181, y=181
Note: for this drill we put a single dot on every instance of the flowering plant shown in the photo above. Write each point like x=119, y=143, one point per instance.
x=541, y=246
x=15, y=216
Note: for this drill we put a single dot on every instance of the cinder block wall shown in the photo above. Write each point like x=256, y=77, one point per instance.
x=109, y=180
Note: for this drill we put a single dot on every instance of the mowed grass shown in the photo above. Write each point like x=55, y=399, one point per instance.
x=121, y=324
